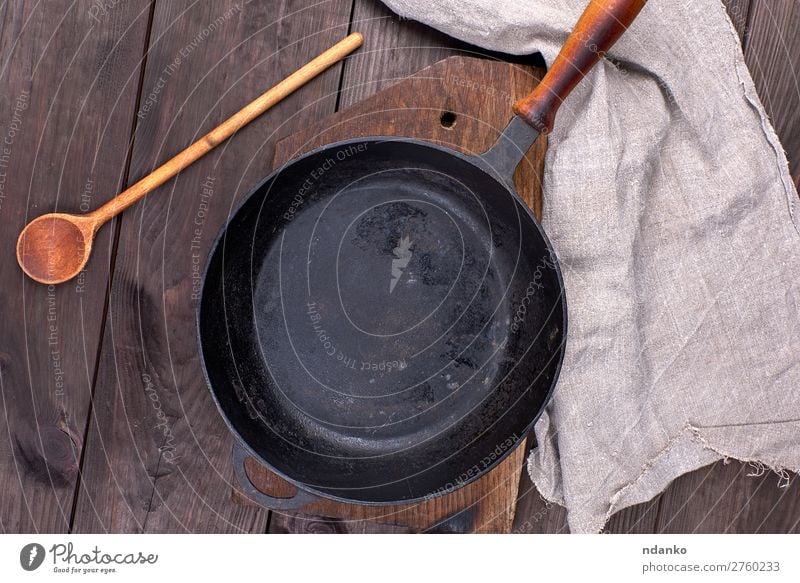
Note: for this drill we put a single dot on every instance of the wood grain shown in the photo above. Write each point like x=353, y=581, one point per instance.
x=393, y=49
x=414, y=107
x=535, y=515
x=158, y=453
x=731, y=498
x=72, y=145
x=772, y=53
x=739, y=13
x=227, y=128
x=284, y=523
x=69, y=84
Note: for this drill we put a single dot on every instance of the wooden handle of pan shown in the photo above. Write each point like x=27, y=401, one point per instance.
x=598, y=28
x=227, y=128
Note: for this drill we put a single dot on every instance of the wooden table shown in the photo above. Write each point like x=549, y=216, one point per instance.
x=106, y=421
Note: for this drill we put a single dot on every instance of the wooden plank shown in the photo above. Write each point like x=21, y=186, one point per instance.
x=536, y=516
x=772, y=53
x=70, y=76
x=638, y=519
x=285, y=523
x=739, y=13
x=731, y=498
x=414, y=107
x=394, y=49
x=158, y=454
x=39, y=453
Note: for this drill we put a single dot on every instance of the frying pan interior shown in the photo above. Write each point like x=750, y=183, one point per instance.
x=381, y=320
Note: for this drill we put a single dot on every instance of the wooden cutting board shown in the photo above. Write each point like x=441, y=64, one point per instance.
x=463, y=103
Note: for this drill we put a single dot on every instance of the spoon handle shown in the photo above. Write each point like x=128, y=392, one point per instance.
x=227, y=128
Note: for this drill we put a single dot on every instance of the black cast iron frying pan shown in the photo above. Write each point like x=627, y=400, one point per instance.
x=383, y=320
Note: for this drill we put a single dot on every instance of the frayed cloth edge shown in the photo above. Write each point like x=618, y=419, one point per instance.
x=617, y=501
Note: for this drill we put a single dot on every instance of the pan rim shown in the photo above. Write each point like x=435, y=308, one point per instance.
x=474, y=160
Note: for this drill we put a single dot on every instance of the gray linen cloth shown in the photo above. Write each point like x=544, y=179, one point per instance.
x=670, y=205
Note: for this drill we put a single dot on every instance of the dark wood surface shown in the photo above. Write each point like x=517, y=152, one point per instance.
x=69, y=86
x=158, y=453
x=772, y=51
x=107, y=424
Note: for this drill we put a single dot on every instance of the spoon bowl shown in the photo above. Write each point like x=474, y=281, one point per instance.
x=55, y=247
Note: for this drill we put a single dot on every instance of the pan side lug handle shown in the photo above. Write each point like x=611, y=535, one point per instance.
x=509, y=149
x=296, y=502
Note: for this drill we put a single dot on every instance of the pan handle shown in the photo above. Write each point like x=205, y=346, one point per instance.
x=300, y=499
x=598, y=28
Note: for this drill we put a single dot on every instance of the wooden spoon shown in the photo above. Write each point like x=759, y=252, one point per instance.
x=55, y=247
